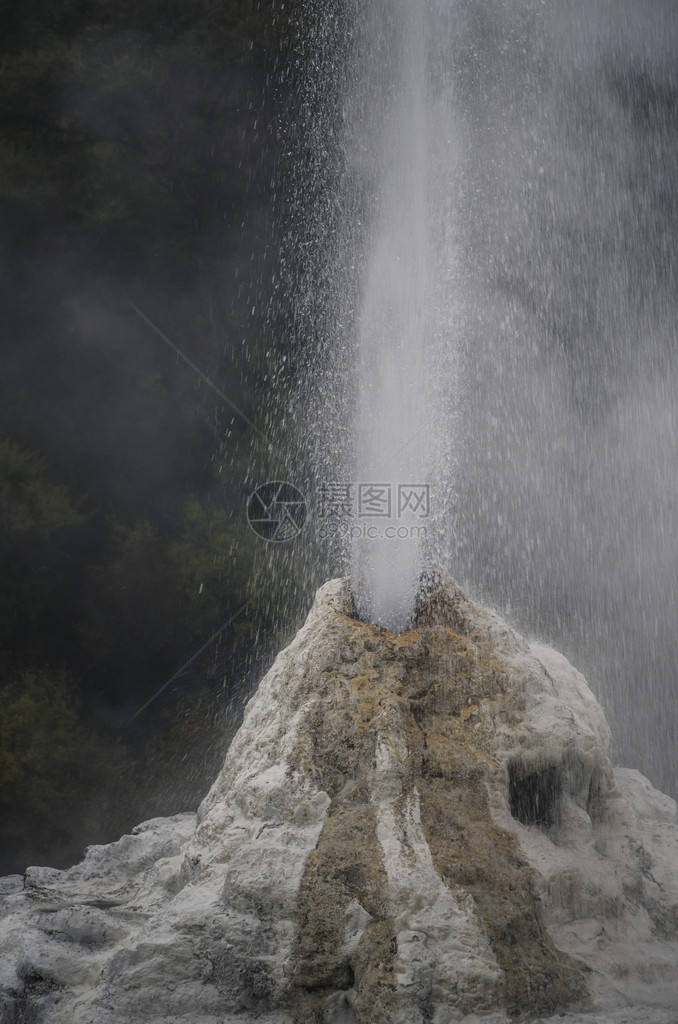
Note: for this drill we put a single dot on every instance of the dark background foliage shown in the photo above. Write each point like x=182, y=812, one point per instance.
x=140, y=164
x=182, y=157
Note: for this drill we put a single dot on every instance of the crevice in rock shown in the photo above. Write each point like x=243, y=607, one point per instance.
x=535, y=797
x=597, y=797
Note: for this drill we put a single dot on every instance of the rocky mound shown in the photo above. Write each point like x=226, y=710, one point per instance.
x=422, y=827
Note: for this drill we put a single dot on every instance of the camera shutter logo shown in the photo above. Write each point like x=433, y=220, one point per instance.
x=277, y=511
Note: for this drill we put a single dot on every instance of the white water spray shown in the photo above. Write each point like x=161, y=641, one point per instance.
x=401, y=359
x=392, y=447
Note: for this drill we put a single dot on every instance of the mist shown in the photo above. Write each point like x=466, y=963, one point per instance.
x=567, y=491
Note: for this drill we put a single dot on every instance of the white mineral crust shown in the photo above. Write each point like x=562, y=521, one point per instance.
x=387, y=803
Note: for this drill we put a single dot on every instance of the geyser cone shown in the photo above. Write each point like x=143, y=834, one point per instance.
x=410, y=827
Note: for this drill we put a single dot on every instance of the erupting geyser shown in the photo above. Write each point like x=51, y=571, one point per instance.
x=384, y=381
x=419, y=821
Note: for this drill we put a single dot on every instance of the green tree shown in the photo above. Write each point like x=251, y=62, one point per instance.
x=53, y=767
x=28, y=501
x=213, y=563
x=37, y=517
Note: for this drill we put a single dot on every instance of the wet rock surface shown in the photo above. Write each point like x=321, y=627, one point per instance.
x=422, y=827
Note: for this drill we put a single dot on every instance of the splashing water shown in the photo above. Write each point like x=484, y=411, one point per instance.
x=494, y=276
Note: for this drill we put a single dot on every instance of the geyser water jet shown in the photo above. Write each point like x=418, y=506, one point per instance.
x=392, y=327
x=396, y=416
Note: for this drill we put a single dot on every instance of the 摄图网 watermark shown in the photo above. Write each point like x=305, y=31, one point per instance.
x=277, y=511
x=342, y=500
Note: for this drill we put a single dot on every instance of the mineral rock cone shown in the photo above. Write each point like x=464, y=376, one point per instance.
x=422, y=827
